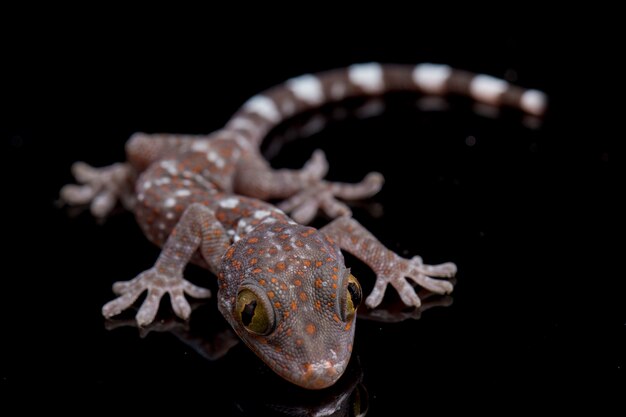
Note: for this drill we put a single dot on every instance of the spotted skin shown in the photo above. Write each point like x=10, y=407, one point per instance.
x=203, y=199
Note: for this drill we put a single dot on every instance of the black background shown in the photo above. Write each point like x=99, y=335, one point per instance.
x=527, y=214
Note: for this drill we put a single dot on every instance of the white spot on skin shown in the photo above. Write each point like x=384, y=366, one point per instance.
x=162, y=226
x=169, y=215
x=432, y=78
x=182, y=193
x=259, y=214
x=169, y=202
x=487, y=89
x=200, y=146
x=162, y=181
x=229, y=203
x=307, y=88
x=147, y=185
x=216, y=159
x=534, y=102
x=264, y=107
x=141, y=197
x=170, y=167
x=369, y=77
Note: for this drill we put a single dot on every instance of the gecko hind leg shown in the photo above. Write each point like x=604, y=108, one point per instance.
x=323, y=196
x=389, y=267
x=101, y=188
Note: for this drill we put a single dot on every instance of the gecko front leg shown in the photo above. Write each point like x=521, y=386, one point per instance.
x=390, y=268
x=197, y=229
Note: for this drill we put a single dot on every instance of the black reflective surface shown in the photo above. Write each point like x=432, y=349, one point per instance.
x=527, y=213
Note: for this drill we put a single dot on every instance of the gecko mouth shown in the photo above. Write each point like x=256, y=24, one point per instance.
x=321, y=374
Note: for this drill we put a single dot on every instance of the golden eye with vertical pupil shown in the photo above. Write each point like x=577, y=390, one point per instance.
x=253, y=314
x=353, y=298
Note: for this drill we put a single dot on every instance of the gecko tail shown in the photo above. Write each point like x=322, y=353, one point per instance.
x=266, y=110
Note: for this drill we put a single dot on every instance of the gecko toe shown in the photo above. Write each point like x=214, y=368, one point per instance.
x=195, y=291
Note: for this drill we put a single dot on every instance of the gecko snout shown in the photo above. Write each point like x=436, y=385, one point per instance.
x=321, y=374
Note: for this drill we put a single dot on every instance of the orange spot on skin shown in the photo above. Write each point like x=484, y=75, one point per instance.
x=262, y=281
x=306, y=262
x=297, y=282
x=348, y=326
x=318, y=263
x=270, y=270
x=318, y=283
x=334, y=286
x=281, y=266
x=354, y=240
x=336, y=318
x=294, y=305
x=329, y=259
x=299, y=342
x=253, y=240
x=299, y=243
x=283, y=236
x=333, y=295
x=253, y=261
x=278, y=349
x=307, y=233
x=256, y=271
x=286, y=315
x=335, y=269
x=274, y=280
x=300, y=273
x=277, y=304
x=289, y=331
x=283, y=286
x=278, y=229
x=287, y=248
x=310, y=328
x=230, y=252
x=270, y=294
x=318, y=305
x=273, y=251
x=334, y=277
x=303, y=296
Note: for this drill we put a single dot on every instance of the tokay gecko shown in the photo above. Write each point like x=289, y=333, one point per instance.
x=283, y=286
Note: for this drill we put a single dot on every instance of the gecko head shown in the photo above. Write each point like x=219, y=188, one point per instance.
x=285, y=290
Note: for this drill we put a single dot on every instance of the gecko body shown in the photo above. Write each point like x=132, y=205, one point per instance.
x=283, y=286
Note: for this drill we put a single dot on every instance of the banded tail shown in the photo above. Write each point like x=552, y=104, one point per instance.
x=268, y=109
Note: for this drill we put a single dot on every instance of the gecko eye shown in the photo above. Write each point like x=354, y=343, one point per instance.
x=353, y=298
x=252, y=312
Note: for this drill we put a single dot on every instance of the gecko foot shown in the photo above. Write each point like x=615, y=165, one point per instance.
x=324, y=195
x=101, y=188
x=157, y=283
x=399, y=269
